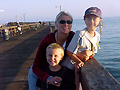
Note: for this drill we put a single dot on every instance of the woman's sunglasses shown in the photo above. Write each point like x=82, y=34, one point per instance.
x=63, y=22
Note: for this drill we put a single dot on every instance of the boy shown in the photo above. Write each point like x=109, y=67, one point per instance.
x=65, y=76
x=88, y=38
x=85, y=40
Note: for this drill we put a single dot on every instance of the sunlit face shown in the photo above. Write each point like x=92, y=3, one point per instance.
x=91, y=22
x=54, y=56
x=63, y=28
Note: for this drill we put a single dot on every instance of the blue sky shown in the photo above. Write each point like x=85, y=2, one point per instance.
x=35, y=10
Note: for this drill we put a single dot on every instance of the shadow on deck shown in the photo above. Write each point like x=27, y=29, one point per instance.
x=16, y=57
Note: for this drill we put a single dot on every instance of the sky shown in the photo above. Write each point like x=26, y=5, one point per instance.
x=46, y=10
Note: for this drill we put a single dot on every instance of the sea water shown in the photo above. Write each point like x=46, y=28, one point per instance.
x=109, y=54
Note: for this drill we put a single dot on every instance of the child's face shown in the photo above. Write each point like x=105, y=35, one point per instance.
x=54, y=56
x=91, y=22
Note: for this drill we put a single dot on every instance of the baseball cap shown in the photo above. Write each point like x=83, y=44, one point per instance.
x=93, y=10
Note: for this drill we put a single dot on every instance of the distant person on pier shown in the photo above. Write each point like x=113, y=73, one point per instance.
x=49, y=23
x=51, y=30
x=62, y=36
x=19, y=28
x=36, y=27
x=5, y=34
x=65, y=80
x=43, y=23
x=40, y=22
x=86, y=39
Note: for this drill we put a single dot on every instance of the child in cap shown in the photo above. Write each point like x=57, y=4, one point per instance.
x=65, y=76
x=86, y=39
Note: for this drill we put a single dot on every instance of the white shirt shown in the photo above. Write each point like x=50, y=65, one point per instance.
x=6, y=32
x=82, y=40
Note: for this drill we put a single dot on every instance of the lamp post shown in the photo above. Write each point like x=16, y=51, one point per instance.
x=16, y=18
x=21, y=18
x=24, y=16
x=59, y=7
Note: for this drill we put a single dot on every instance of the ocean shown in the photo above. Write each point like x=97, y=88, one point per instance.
x=109, y=54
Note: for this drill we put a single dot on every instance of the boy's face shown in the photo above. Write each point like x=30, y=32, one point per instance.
x=54, y=56
x=91, y=22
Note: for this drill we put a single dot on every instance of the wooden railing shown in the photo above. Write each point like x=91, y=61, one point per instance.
x=25, y=27
x=95, y=77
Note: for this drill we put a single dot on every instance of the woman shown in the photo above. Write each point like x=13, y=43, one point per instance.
x=62, y=36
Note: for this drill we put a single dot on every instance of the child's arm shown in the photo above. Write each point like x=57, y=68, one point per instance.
x=85, y=55
x=75, y=58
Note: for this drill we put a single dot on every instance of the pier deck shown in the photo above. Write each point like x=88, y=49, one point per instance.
x=16, y=57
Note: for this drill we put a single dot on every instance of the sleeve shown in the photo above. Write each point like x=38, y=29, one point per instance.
x=74, y=43
x=40, y=59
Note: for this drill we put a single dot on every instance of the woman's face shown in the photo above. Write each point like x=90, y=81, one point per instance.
x=64, y=24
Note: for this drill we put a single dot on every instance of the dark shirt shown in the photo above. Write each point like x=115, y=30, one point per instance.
x=68, y=79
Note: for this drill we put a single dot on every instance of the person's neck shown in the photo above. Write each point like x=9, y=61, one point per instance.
x=61, y=37
x=91, y=32
x=55, y=68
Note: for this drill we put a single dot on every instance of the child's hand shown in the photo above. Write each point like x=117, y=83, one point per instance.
x=93, y=54
x=55, y=81
x=88, y=52
x=84, y=55
x=80, y=64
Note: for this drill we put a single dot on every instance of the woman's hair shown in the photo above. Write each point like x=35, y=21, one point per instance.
x=55, y=46
x=63, y=13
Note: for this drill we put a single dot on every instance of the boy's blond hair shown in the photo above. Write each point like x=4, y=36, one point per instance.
x=55, y=46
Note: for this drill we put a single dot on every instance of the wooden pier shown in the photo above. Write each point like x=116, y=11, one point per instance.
x=16, y=57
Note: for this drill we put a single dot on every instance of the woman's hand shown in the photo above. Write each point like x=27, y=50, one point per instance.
x=84, y=55
x=55, y=81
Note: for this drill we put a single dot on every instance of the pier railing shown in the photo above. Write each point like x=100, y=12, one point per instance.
x=95, y=77
x=25, y=27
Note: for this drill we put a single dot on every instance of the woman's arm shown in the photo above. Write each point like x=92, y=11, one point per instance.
x=40, y=59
